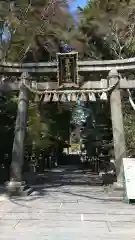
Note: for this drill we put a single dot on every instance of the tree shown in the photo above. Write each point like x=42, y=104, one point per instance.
x=42, y=131
x=36, y=28
x=109, y=27
x=8, y=106
x=98, y=20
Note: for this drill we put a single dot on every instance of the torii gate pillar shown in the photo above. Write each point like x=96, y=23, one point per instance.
x=117, y=126
x=15, y=184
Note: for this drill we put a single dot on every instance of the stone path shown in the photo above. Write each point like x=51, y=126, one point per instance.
x=66, y=212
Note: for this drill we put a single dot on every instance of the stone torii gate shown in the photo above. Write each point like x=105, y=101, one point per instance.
x=80, y=77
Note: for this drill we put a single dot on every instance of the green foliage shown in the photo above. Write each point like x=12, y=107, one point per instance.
x=37, y=130
x=48, y=126
x=8, y=107
x=129, y=125
x=32, y=24
x=105, y=30
x=107, y=24
x=109, y=27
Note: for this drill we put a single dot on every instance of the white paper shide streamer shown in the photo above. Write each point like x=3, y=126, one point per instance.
x=103, y=96
x=131, y=100
x=92, y=97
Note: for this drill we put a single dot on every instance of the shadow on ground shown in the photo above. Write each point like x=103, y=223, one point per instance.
x=63, y=179
x=75, y=182
x=67, y=175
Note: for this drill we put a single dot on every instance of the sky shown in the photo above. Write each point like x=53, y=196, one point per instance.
x=75, y=3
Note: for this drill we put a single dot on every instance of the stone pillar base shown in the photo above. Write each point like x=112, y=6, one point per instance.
x=15, y=188
x=118, y=186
